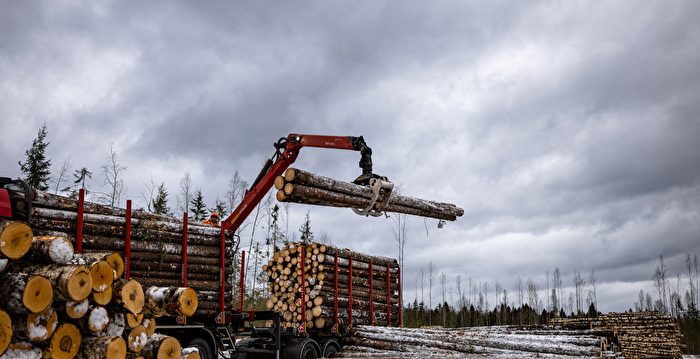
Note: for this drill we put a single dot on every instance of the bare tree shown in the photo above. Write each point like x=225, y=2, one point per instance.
x=443, y=284
x=256, y=221
x=151, y=188
x=235, y=191
x=62, y=174
x=186, y=194
x=460, y=300
x=497, y=288
x=431, y=277
x=519, y=288
x=578, y=288
x=594, y=288
x=532, y=295
x=661, y=284
x=547, y=285
x=112, y=171
x=400, y=235
x=422, y=284
x=557, y=286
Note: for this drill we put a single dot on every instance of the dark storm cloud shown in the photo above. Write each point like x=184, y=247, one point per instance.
x=567, y=130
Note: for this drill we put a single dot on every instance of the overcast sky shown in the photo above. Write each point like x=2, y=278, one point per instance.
x=567, y=130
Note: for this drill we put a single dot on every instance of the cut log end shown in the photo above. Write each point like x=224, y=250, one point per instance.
x=137, y=338
x=117, y=262
x=77, y=309
x=133, y=320
x=65, y=342
x=188, y=302
x=131, y=296
x=5, y=330
x=110, y=347
x=279, y=182
x=190, y=353
x=39, y=327
x=150, y=325
x=15, y=239
x=102, y=274
x=38, y=294
x=102, y=298
x=162, y=347
x=79, y=284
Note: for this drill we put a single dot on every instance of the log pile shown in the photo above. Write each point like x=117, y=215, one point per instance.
x=308, y=188
x=315, y=288
x=156, y=245
x=59, y=304
x=498, y=341
x=636, y=335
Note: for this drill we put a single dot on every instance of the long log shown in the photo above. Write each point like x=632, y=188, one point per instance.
x=70, y=282
x=22, y=292
x=310, y=195
x=50, y=249
x=116, y=325
x=15, y=239
x=96, y=320
x=103, y=348
x=140, y=265
x=297, y=176
x=144, y=257
x=170, y=301
x=6, y=331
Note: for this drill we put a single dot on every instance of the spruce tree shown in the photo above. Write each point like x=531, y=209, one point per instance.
x=160, y=203
x=199, y=208
x=306, y=235
x=37, y=168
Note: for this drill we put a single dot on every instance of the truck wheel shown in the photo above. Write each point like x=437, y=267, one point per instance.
x=302, y=349
x=330, y=348
x=206, y=351
x=308, y=351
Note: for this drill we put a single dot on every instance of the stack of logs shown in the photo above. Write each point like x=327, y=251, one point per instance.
x=636, y=334
x=59, y=304
x=156, y=244
x=308, y=188
x=373, y=291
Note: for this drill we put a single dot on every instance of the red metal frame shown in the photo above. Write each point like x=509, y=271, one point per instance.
x=335, y=306
x=388, y=296
x=302, y=328
x=222, y=274
x=185, y=220
x=79, y=229
x=291, y=150
x=242, y=285
x=371, y=295
x=350, y=293
x=127, y=241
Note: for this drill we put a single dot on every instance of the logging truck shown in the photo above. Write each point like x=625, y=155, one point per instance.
x=164, y=251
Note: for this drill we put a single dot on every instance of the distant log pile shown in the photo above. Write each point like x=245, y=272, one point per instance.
x=373, y=290
x=506, y=341
x=308, y=188
x=59, y=304
x=636, y=335
x=156, y=245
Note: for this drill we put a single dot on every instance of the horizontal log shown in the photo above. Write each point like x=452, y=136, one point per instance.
x=140, y=265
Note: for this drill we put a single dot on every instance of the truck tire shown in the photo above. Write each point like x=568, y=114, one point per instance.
x=330, y=348
x=206, y=351
x=302, y=349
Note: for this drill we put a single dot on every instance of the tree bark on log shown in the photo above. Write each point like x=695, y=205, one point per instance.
x=95, y=321
x=144, y=257
x=70, y=282
x=161, y=346
x=297, y=176
x=140, y=265
x=170, y=301
x=150, y=325
x=114, y=259
x=6, y=331
x=36, y=327
x=103, y=348
x=116, y=325
x=129, y=294
x=101, y=272
x=23, y=292
x=75, y=309
x=50, y=249
x=15, y=239
x=190, y=353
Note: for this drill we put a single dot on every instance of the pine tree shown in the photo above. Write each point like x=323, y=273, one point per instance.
x=306, y=235
x=199, y=208
x=160, y=203
x=37, y=168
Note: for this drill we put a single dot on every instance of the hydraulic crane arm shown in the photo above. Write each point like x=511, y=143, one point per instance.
x=286, y=152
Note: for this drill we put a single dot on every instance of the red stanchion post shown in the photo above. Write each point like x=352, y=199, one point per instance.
x=222, y=273
x=371, y=296
x=79, y=229
x=185, y=220
x=127, y=242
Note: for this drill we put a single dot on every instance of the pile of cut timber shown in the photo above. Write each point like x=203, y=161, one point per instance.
x=308, y=188
x=493, y=342
x=156, y=244
x=373, y=291
x=636, y=335
x=59, y=304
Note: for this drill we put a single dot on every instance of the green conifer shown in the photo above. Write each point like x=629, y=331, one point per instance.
x=37, y=168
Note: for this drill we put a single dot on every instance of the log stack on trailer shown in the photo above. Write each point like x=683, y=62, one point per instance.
x=60, y=304
x=330, y=289
x=152, y=245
